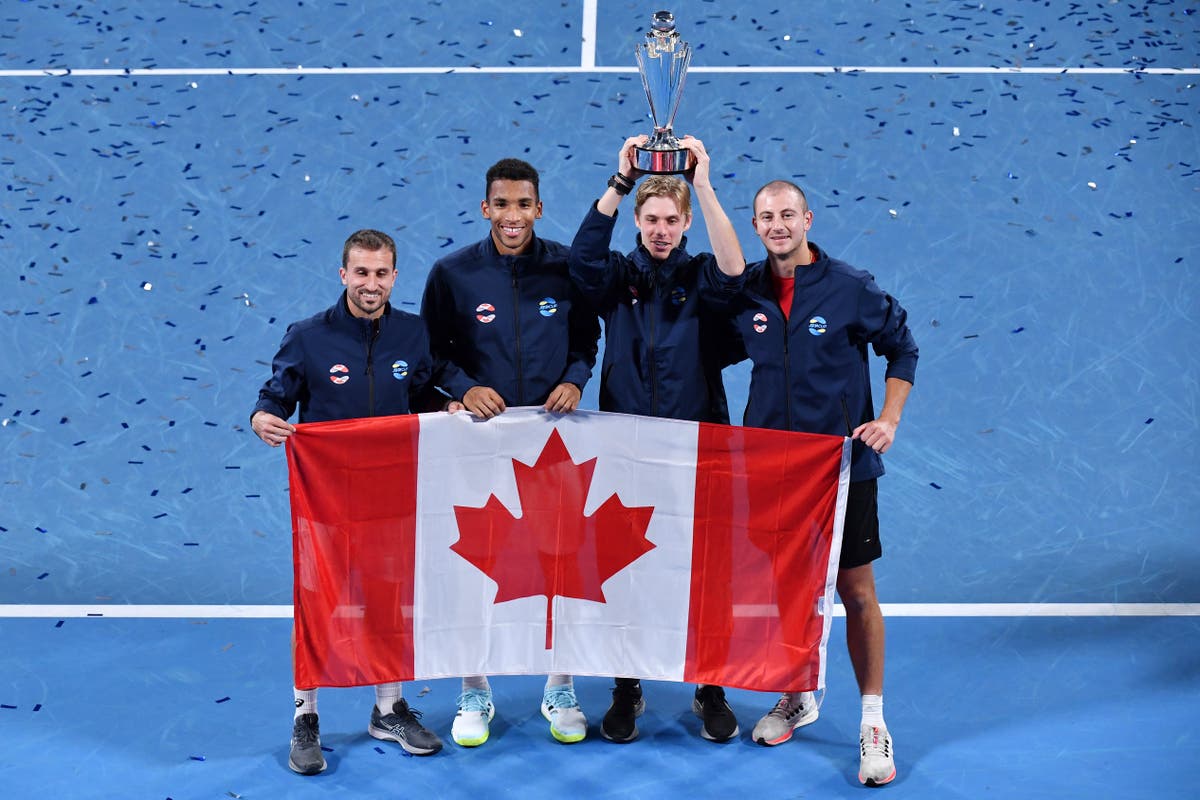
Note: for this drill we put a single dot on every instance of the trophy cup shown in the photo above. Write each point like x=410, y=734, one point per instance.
x=663, y=61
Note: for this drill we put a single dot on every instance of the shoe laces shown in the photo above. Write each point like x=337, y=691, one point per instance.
x=401, y=715
x=875, y=742
x=626, y=694
x=788, y=706
x=304, y=732
x=712, y=697
x=560, y=697
x=474, y=700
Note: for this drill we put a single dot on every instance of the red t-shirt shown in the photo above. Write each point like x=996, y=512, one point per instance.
x=786, y=287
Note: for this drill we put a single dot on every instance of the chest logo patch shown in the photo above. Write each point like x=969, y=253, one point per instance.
x=485, y=312
x=678, y=295
x=817, y=325
x=399, y=370
x=760, y=322
x=548, y=307
x=339, y=374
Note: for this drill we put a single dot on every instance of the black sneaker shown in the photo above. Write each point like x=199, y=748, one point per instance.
x=620, y=721
x=403, y=726
x=306, y=756
x=720, y=725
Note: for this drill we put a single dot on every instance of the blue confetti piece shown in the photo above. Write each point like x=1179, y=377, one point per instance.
x=934, y=485
x=6, y=705
x=37, y=707
x=191, y=544
x=1151, y=419
x=223, y=700
x=43, y=575
x=197, y=758
x=59, y=624
x=379, y=750
x=1018, y=330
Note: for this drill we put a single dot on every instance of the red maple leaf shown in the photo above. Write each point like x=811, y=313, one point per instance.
x=552, y=549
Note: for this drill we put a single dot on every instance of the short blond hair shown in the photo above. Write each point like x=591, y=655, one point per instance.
x=665, y=186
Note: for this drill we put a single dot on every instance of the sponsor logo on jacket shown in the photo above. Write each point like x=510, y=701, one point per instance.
x=817, y=325
x=485, y=312
x=399, y=370
x=339, y=374
x=760, y=322
x=548, y=307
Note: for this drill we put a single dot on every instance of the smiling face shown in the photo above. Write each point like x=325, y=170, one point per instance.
x=512, y=207
x=662, y=225
x=368, y=277
x=782, y=220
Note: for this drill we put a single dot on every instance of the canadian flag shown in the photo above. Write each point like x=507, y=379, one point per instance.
x=440, y=545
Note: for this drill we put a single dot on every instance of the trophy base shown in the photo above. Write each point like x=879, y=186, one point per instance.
x=664, y=162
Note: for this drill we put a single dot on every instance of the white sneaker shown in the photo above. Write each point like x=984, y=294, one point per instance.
x=794, y=710
x=475, y=711
x=876, y=765
x=567, y=721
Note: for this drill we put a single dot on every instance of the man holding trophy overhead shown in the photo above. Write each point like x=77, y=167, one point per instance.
x=667, y=337
x=665, y=341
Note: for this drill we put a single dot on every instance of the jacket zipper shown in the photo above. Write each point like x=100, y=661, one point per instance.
x=650, y=308
x=517, y=334
x=372, y=332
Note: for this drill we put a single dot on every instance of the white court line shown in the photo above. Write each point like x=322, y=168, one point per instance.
x=587, y=56
x=889, y=610
x=148, y=72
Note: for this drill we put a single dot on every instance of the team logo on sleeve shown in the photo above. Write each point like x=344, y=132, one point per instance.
x=760, y=322
x=817, y=325
x=399, y=370
x=678, y=295
x=485, y=312
x=548, y=307
x=339, y=374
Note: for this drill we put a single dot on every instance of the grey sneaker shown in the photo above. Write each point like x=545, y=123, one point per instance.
x=306, y=756
x=404, y=727
x=876, y=765
x=794, y=710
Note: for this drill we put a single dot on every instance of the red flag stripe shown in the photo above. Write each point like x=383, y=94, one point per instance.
x=354, y=498
x=764, y=525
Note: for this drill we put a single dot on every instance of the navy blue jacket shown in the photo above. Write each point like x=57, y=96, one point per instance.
x=664, y=346
x=811, y=373
x=335, y=365
x=514, y=323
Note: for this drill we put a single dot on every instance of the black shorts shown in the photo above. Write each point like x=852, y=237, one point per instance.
x=860, y=533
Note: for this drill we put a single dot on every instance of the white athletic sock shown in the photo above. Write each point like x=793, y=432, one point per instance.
x=476, y=682
x=306, y=701
x=386, y=695
x=554, y=681
x=872, y=710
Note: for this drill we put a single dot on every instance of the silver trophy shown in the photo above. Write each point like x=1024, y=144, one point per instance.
x=663, y=61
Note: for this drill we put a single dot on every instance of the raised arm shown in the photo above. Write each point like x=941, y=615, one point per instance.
x=721, y=236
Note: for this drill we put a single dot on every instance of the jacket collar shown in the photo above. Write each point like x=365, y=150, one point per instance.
x=806, y=275
x=662, y=271
x=341, y=312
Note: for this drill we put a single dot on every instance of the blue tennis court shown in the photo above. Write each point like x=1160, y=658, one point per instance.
x=179, y=178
